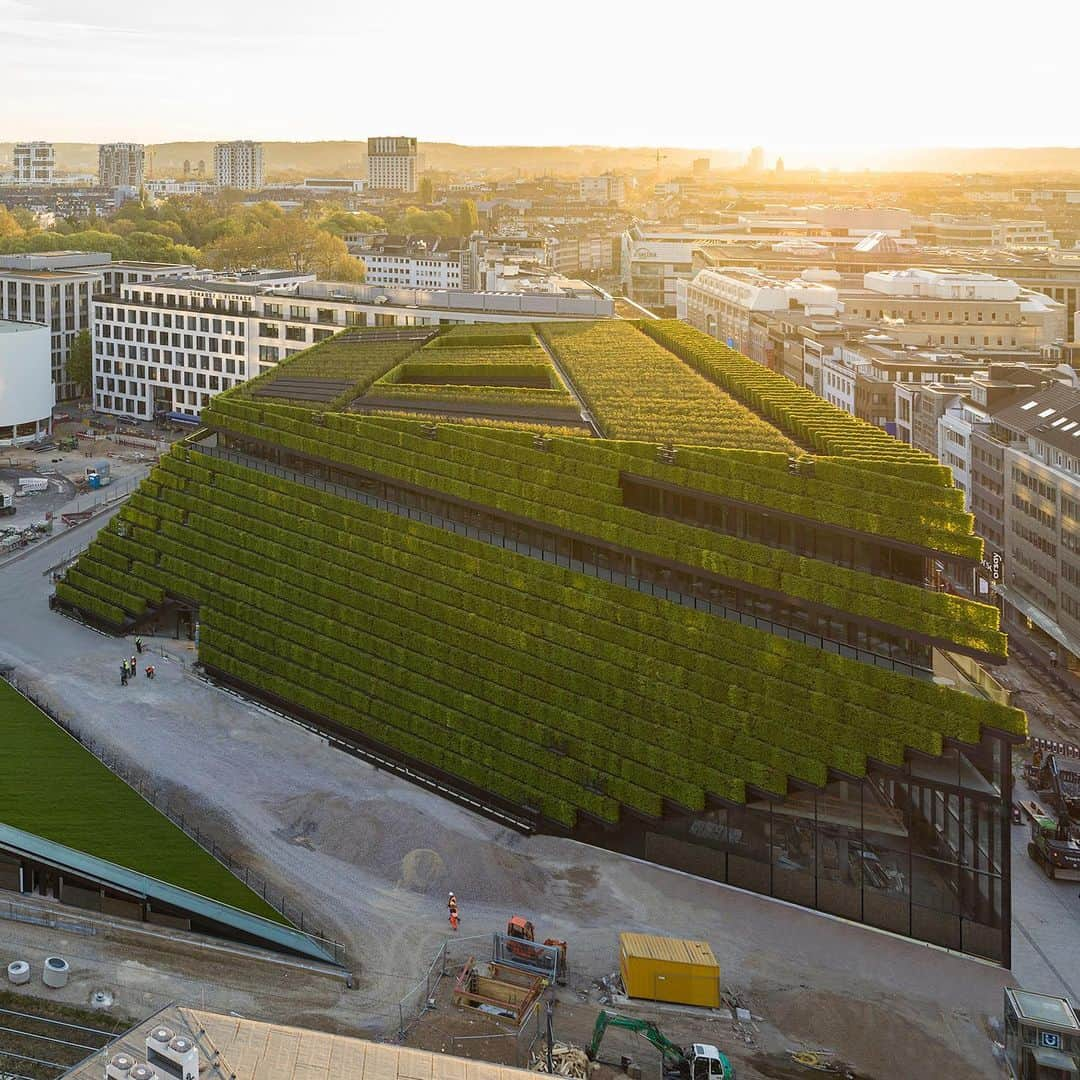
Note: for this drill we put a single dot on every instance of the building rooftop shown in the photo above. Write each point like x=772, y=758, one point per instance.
x=236, y=1048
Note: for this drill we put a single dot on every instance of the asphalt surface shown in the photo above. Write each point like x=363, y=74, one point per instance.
x=373, y=856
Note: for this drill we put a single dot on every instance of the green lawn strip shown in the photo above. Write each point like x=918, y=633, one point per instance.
x=56, y=789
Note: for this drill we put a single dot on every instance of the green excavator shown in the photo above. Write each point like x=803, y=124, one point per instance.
x=699, y=1061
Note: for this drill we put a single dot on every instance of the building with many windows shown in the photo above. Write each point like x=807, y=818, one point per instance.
x=239, y=165
x=439, y=263
x=392, y=163
x=607, y=188
x=170, y=345
x=120, y=165
x=53, y=288
x=34, y=163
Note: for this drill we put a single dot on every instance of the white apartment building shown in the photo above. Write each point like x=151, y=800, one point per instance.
x=605, y=189
x=412, y=264
x=34, y=163
x=120, y=165
x=723, y=301
x=170, y=345
x=239, y=165
x=392, y=163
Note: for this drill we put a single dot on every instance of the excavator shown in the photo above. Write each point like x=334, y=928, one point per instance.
x=699, y=1061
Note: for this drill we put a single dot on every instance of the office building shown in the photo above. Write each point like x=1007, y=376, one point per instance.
x=239, y=165
x=392, y=163
x=415, y=264
x=605, y=189
x=120, y=165
x=951, y=230
x=26, y=388
x=170, y=345
x=54, y=288
x=722, y=302
x=802, y=733
x=34, y=163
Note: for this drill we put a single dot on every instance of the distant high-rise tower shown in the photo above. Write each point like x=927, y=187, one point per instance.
x=392, y=163
x=35, y=163
x=779, y=164
x=120, y=165
x=238, y=165
x=701, y=166
x=756, y=161
x=187, y=167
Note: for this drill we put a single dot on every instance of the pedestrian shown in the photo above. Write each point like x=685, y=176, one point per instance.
x=1053, y=658
x=138, y=645
x=123, y=674
x=134, y=670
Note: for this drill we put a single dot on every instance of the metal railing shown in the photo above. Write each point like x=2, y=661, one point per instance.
x=138, y=781
x=13, y=911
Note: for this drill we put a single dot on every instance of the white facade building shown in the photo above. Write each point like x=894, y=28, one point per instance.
x=605, y=189
x=239, y=165
x=722, y=301
x=26, y=389
x=412, y=264
x=170, y=345
x=120, y=165
x=166, y=187
x=34, y=163
x=392, y=163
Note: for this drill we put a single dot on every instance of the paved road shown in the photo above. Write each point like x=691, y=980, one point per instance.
x=374, y=855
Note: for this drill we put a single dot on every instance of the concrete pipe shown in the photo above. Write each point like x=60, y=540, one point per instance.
x=55, y=972
x=18, y=972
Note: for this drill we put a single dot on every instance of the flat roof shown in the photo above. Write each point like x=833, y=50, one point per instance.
x=236, y=1048
x=1044, y=1009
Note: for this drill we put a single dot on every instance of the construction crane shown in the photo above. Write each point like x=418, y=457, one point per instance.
x=700, y=1061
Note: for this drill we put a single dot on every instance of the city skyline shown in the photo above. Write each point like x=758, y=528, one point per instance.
x=630, y=92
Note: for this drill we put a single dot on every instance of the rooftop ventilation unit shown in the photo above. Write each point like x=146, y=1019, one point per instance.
x=119, y=1067
x=142, y=1072
x=174, y=1056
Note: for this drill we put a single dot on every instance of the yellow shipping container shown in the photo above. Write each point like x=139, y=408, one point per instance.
x=669, y=969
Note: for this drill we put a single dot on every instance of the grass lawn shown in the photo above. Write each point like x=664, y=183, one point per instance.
x=55, y=788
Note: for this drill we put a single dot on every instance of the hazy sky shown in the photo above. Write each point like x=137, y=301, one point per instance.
x=789, y=74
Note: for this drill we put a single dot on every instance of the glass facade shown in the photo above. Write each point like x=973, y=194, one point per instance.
x=921, y=850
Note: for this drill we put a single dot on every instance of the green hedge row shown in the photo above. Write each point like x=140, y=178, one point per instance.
x=637, y=390
x=89, y=603
x=310, y=526
x=557, y=496
x=810, y=419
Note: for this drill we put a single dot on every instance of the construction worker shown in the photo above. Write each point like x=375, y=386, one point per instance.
x=452, y=907
x=138, y=645
x=123, y=674
x=149, y=671
x=134, y=669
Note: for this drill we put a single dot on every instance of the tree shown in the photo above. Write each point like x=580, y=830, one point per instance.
x=468, y=218
x=79, y=367
x=9, y=225
x=427, y=191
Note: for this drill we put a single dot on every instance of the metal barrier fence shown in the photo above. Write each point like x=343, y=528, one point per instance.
x=26, y=913
x=418, y=1000
x=140, y=783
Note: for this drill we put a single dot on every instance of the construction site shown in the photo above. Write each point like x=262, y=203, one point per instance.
x=373, y=746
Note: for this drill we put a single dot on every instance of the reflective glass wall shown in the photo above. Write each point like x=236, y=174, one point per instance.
x=921, y=850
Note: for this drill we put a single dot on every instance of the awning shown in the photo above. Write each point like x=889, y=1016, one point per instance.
x=182, y=418
x=1039, y=618
x=1055, y=1059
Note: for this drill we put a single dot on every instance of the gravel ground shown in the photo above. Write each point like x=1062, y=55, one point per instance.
x=374, y=856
